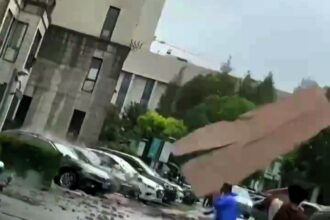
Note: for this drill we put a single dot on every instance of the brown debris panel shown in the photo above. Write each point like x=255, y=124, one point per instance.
x=254, y=140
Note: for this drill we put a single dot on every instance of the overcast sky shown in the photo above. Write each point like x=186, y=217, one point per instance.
x=291, y=38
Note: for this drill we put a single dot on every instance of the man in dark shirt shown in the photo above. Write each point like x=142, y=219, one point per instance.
x=291, y=210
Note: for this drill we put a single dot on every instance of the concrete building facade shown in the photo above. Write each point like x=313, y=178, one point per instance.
x=80, y=61
x=23, y=24
x=145, y=75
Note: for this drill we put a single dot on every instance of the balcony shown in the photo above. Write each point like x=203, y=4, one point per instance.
x=48, y=5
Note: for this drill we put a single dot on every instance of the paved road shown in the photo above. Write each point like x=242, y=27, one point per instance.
x=19, y=203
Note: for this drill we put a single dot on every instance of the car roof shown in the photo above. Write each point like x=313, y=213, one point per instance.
x=31, y=134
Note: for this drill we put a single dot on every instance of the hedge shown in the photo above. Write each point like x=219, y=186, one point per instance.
x=21, y=154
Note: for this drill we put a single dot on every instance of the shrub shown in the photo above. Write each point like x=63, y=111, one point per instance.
x=21, y=156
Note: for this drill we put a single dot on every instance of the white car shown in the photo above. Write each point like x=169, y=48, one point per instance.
x=149, y=189
x=172, y=191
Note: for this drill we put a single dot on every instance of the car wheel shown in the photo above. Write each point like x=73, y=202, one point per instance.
x=68, y=179
x=114, y=186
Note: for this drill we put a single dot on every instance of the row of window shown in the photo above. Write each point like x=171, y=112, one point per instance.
x=93, y=73
x=123, y=90
x=11, y=39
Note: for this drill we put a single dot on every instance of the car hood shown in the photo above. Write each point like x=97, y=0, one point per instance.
x=94, y=170
x=151, y=182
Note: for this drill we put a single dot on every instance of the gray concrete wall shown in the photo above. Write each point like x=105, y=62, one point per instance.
x=57, y=78
x=3, y=7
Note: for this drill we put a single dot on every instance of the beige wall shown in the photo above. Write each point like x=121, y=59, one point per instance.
x=161, y=68
x=87, y=16
x=150, y=14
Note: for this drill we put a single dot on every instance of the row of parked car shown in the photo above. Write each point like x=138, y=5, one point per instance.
x=101, y=170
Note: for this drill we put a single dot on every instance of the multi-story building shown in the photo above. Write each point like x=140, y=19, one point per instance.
x=23, y=24
x=145, y=75
x=93, y=53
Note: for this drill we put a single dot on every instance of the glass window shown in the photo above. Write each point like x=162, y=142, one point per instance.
x=147, y=92
x=92, y=75
x=15, y=40
x=5, y=29
x=123, y=90
x=33, y=51
x=110, y=23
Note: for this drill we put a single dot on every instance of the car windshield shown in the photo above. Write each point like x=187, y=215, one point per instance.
x=241, y=192
x=83, y=155
x=146, y=168
x=123, y=163
x=66, y=151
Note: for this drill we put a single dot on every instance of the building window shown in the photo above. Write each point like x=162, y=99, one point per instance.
x=123, y=89
x=110, y=23
x=147, y=92
x=75, y=124
x=5, y=29
x=92, y=75
x=15, y=40
x=33, y=52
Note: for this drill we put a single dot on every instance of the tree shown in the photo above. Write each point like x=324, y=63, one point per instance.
x=168, y=99
x=131, y=114
x=248, y=88
x=310, y=163
x=202, y=86
x=122, y=128
x=111, y=130
x=266, y=92
x=153, y=124
x=216, y=108
x=226, y=67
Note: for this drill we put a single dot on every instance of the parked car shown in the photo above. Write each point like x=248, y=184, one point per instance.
x=149, y=190
x=76, y=171
x=244, y=200
x=170, y=189
x=173, y=174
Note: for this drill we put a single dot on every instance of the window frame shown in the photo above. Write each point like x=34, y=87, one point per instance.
x=94, y=81
x=143, y=101
x=4, y=43
x=13, y=28
x=108, y=38
x=123, y=91
x=35, y=46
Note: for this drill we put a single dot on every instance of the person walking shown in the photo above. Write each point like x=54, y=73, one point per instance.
x=291, y=210
x=279, y=210
x=225, y=206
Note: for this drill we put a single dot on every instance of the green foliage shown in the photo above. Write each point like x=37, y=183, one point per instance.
x=216, y=108
x=112, y=126
x=21, y=156
x=167, y=101
x=266, y=91
x=121, y=129
x=130, y=118
x=259, y=93
x=202, y=86
x=153, y=124
x=311, y=160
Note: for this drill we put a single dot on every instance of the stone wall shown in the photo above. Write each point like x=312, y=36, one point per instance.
x=57, y=78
